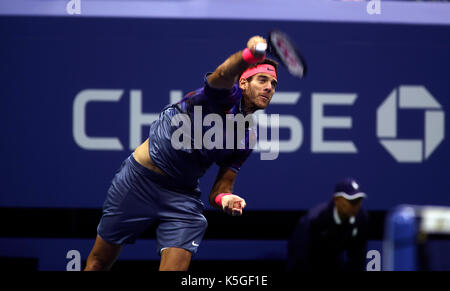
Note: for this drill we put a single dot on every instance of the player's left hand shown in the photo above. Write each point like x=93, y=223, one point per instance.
x=233, y=205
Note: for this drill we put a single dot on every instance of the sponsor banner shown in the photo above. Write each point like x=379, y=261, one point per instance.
x=78, y=95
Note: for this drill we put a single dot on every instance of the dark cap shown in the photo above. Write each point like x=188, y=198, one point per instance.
x=349, y=189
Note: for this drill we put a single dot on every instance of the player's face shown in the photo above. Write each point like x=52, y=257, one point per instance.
x=259, y=91
x=347, y=208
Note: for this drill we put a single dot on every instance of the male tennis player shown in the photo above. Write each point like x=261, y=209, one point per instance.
x=159, y=184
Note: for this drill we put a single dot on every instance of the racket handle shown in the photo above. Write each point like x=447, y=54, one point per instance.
x=260, y=49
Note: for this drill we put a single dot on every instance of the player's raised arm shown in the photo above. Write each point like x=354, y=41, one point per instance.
x=227, y=73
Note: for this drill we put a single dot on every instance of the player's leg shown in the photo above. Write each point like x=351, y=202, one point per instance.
x=127, y=212
x=175, y=259
x=102, y=256
x=180, y=230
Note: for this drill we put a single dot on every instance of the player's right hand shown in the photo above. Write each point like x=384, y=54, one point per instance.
x=253, y=41
x=233, y=204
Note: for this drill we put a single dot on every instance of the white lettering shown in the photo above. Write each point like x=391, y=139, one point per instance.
x=79, y=119
x=373, y=7
x=375, y=263
x=75, y=263
x=320, y=122
x=183, y=131
x=273, y=146
x=73, y=7
x=138, y=119
x=216, y=131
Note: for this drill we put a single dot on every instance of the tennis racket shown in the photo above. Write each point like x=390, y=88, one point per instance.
x=282, y=48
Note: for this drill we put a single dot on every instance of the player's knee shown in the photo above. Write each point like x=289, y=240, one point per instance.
x=175, y=259
x=95, y=264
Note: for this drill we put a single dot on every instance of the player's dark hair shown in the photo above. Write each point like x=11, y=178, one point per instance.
x=265, y=61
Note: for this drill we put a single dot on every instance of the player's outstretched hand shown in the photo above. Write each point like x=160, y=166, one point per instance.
x=253, y=42
x=233, y=204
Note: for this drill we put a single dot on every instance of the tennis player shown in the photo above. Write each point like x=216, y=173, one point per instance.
x=159, y=184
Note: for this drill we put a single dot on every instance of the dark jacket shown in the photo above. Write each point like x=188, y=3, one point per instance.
x=319, y=243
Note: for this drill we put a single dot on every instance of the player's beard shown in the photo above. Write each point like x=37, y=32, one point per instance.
x=255, y=100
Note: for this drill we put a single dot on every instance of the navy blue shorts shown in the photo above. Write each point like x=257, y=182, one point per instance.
x=138, y=198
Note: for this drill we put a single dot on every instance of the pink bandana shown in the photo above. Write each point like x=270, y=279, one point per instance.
x=263, y=68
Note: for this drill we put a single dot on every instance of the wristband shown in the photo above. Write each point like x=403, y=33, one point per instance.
x=218, y=199
x=249, y=58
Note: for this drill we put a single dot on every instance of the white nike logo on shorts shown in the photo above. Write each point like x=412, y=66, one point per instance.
x=194, y=244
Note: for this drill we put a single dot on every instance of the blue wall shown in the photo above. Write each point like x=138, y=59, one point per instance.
x=47, y=62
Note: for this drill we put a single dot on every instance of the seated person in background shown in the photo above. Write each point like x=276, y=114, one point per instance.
x=332, y=236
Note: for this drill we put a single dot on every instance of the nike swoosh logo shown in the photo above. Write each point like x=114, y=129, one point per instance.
x=194, y=244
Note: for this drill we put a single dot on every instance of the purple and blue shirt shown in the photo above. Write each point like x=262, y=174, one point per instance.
x=187, y=166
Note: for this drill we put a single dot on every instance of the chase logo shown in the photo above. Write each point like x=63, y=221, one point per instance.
x=410, y=150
